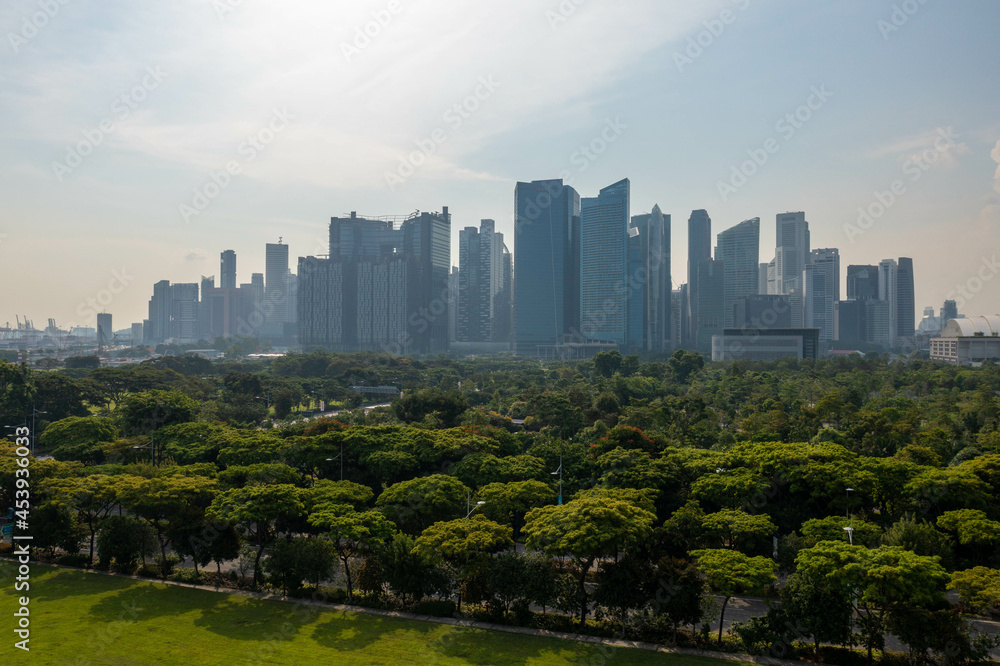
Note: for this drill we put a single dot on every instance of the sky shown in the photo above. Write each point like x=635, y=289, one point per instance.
x=141, y=139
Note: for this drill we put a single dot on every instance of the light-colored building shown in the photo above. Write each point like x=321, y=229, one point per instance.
x=968, y=341
x=745, y=344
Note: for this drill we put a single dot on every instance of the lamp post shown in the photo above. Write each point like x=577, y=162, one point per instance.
x=339, y=456
x=850, y=529
x=34, y=412
x=152, y=450
x=559, y=472
x=468, y=504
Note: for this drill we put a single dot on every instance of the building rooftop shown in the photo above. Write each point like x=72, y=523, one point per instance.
x=984, y=325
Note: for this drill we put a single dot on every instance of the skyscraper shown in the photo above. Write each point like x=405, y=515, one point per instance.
x=184, y=311
x=480, y=283
x=949, y=310
x=791, y=252
x=699, y=251
x=887, y=285
x=276, y=287
x=862, y=282
x=159, y=314
x=546, y=264
x=649, y=282
x=821, y=291
x=711, y=306
x=427, y=249
x=105, y=331
x=604, y=222
x=227, y=270
x=906, y=312
x=739, y=249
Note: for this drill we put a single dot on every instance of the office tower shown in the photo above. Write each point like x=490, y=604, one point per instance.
x=852, y=324
x=137, y=335
x=105, y=332
x=276, y=286
x=879, y=325
x=204, y=311
x=229, y=311
x=480, y=283
x=678, y=319
x=762, y=278
x=762, y=311
x=862, y=283
x=649, y=282
x=604, y=221
x=887, y=283
x=427, y=251
x=257, y=299
x=227, y=270
x=791, y=252
x=384, y=286
x=184, y=311
x=504, y=306
x=699, y=251
x=739, y=249
x=821, y=291
x=546, y=265
x=453, y=289
x=949, y=310
x=159, y=314
x=711, y=304
x=905, y=302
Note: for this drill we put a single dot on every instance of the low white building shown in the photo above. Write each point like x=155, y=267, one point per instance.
x=968, y=341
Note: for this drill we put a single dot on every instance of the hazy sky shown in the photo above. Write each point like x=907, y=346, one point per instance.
x=114, y=113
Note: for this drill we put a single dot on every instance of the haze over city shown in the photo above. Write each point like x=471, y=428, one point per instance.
x=479, y=98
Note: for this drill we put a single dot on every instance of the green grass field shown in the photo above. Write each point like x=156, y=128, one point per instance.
x=79, y=618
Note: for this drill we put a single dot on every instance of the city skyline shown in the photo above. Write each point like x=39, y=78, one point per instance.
x=866, y=113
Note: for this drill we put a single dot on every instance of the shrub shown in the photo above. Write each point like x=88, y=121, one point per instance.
x=435, y=608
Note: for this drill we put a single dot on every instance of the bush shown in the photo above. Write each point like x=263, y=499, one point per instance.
x=187, y=576
x=435, y=608
x=79, y=560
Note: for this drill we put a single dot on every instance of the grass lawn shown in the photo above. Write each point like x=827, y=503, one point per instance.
x=79, y=618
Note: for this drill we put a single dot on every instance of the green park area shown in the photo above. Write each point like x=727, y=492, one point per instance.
x=79, y=618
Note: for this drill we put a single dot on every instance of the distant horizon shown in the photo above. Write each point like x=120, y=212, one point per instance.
x=143, y=140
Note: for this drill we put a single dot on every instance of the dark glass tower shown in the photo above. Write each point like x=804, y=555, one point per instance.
x=604, y=221
x=739, y=249
x=905, y=302
x=649, y=282
x=699, y=251
x=546, y=264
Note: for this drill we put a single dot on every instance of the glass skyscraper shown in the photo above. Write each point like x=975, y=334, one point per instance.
x=739, y=249
x=699, y=251
x=546, y=264
x=649, y=282
x=604, y=290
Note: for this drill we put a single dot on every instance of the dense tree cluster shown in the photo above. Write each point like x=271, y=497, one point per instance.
x=868, y=488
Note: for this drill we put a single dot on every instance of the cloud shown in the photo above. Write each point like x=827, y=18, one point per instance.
x=915, y=146
x=195, y=256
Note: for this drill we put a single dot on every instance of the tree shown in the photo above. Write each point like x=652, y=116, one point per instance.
x=509, y=502
x=257, y=511
x=677, y=592
x=61, y=396
x=351, y=532
x=416, y=504
x=607, y=363
x=739, y=530
x=832, y=528
x=407, y=574
x=978, y=588
x=977, y=533
x=142, y=413
x=290, y=561
x=586, y=529
x=124, y=539
x=460, y=543
x=729, y=572
x=684, y=363
x=162, y=500
x=79, y=438
x=445, y=408
x=85, y=362
x=54, y=525
x=91, y=497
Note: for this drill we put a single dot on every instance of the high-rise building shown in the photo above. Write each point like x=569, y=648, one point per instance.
x=204, y=309
x=384, y=286
x=227, y=270
x=949, y=310
x=649, y=282
x=791, y=252
x=137, y=335
x=546, y=265
x=480, y=284
x=762, y=278
x=604, y=222
x=762, y=311
x=862, y=282
x=699, y=251
x=711, y=304
x=739, y=249
x=880, y=328
x=852, y=324
x=453, y=312
x=184, y=311
x=159, y=314
x=888, y=271
x=504, y=309
x=678, y=317
x=821, y=291
x=276, y=286
x=105, y=331
x=906, y=325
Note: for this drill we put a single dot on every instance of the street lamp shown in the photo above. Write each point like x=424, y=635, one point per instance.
x=152, y=450
x=559, y=472
x=468, y=504
x=34, y=412
x=339, y=456
x=850, y=529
